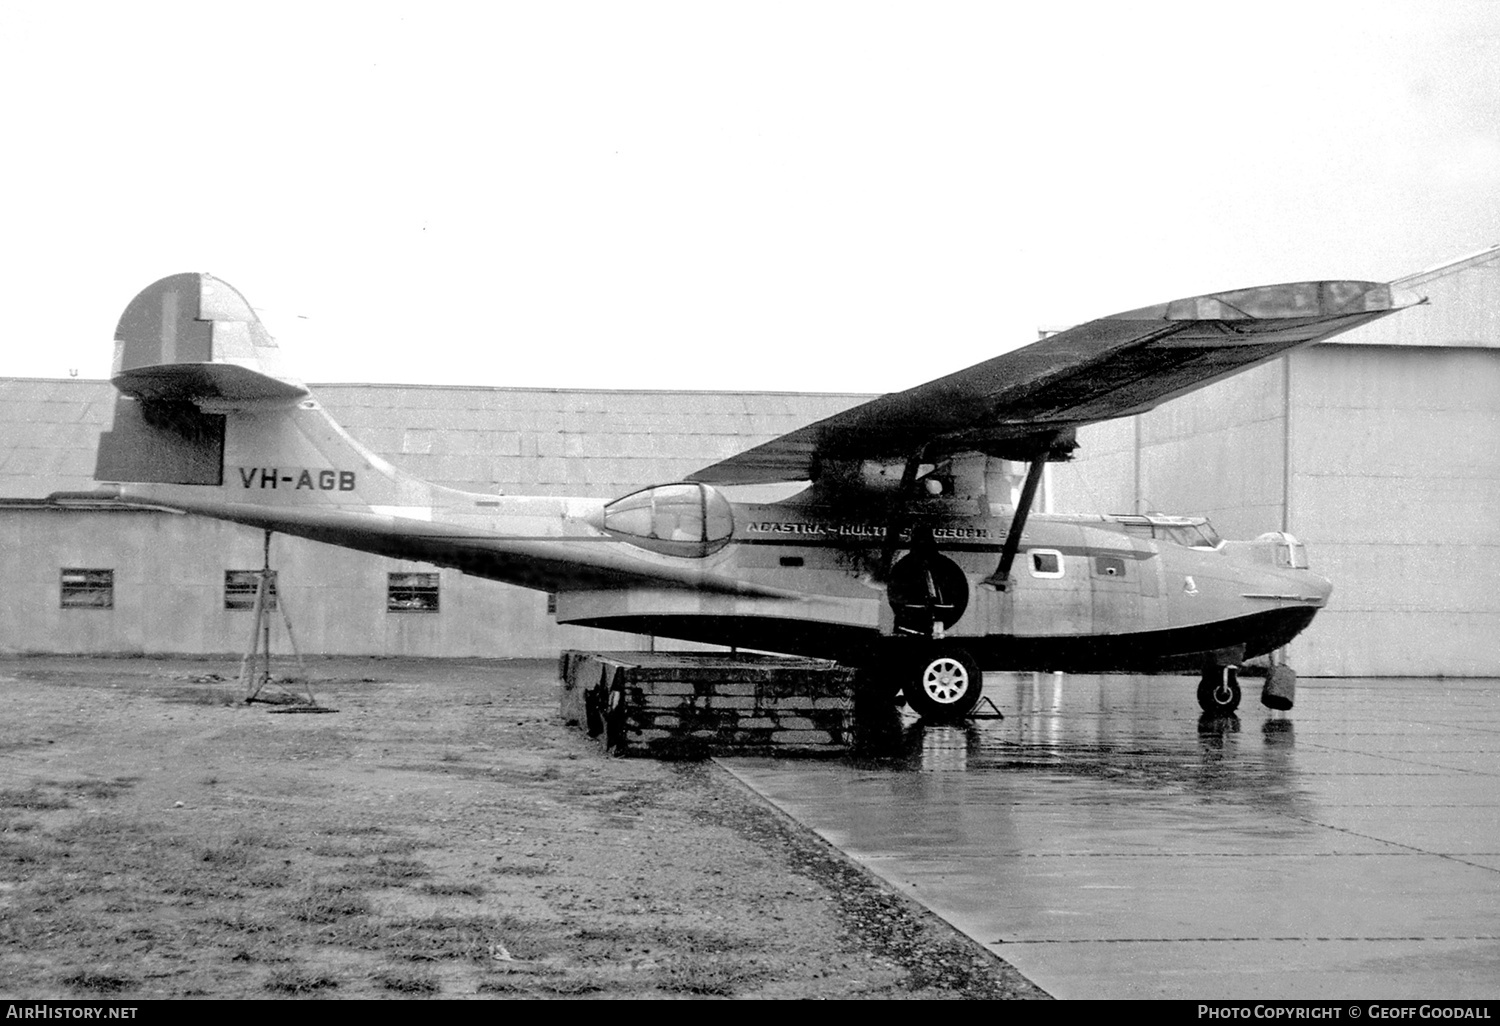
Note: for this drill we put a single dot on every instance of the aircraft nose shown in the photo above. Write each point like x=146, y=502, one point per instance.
x=1322, y=587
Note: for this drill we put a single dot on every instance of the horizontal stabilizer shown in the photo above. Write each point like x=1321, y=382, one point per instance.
x=194, y=381
x=191, y=336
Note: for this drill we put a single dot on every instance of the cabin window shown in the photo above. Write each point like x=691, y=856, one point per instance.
x=676, y=519
x=88, y=589
x=1046, y=563
x=411, y=593
x=240, y=587
x=1109, y=566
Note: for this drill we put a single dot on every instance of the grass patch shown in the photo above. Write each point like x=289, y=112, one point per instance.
x=249, y=921
x=502, y=985
x=119, y=834
x=239, y=851
x=58, y=887
x=438, y=938
x=453, y=890
x=99, y=982
x=384, y=872
x=367, y=830
x=327, y=905
x=203, y=887
x=33, y=799
x=349, y=846
x=708, y=976
x=300, y=981
x=101, y=788
x=25, y=852
x=409, y=982
x=569, y=986
x=266, y=877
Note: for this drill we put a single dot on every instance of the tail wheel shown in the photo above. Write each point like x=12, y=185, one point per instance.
x=943, y=683
x=1219, y=691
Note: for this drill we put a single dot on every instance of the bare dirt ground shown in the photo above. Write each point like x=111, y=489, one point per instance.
x=442, y=834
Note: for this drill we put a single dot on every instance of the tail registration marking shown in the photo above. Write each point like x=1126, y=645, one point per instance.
x=296, y=478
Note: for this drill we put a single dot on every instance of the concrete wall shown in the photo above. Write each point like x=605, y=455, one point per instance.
x=1379, y=449
x=1396, y=489
x=1218, y=452
x=1394, y=485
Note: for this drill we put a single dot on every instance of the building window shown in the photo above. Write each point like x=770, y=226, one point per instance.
x=240, y=587
x=412, y=593
x=88, y=589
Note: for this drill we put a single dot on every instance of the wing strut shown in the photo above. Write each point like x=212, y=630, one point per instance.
x=1000, y=579
x=893, y=523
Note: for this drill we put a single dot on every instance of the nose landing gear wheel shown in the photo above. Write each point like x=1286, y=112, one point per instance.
x=1219, y=691
x=943, y=683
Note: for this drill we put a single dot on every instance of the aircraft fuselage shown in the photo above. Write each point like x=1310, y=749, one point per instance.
x=1086, y=593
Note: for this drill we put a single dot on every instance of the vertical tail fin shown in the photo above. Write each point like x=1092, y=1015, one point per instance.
x=192, y=336
x=186, y=341
x=204, y=401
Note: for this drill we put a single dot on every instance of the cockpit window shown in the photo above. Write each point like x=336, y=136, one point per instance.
x=677, y=519
x=1194, y=533
x=1194, y=536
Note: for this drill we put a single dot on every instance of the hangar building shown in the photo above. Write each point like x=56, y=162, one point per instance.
x=1381, y=450
x=174, y=581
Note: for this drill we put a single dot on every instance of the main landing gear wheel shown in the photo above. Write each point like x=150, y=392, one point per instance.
x=943, y=683
x=1219, y=691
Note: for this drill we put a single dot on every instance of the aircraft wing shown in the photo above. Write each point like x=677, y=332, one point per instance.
x=1112, y=367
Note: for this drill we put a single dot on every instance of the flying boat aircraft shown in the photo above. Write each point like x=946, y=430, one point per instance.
x=906, y=553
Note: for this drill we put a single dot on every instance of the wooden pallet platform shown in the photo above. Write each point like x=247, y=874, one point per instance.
x=681, y=704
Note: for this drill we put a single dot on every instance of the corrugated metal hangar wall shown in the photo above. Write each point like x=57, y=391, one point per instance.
x=168, y=580
x=1381, y=451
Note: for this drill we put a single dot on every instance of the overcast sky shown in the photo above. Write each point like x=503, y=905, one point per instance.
x=849, y=197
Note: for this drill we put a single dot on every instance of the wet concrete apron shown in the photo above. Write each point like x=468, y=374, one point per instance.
x=1108, y=842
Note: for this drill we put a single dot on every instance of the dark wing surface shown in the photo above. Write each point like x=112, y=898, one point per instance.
x=1112, y=367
